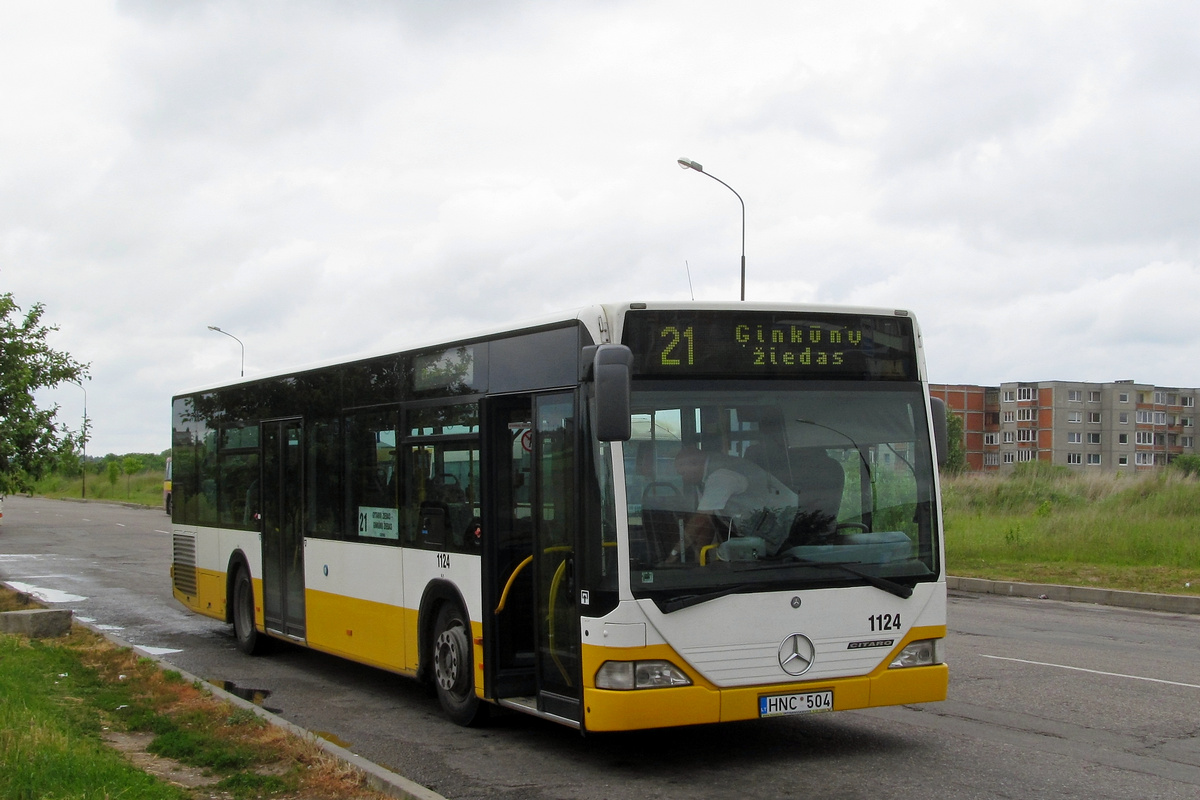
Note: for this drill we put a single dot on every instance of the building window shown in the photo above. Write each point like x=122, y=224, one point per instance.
x=991, y=438
x=1187, y=422
x=1093, y=397
x=1075, y=438
x=1123, y=461
x=1009, y=458
x=1123, y=397
x=1074, y=416
x=1024, y=415
x=1009, y=416
x=1008, y=437
x=1093, y=438
x=1026, y=435
x=1074, y=458
x=1074, y=396
x=1143, y=459
x=1187, y=441
x=1094, y=417
x=1160, y=398
x=1024, y=393
x=1144, y=437
x=1122, y=438
x=1123, y=418
x=1187, y=401
x=1093, y=459
x=1026, y=455
x=991, y=459
x=1009, y=395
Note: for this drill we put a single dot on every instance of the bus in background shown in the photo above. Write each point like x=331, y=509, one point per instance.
x=167, y=487
x=632, y=516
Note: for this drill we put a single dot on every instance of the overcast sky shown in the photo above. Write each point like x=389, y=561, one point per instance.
x=324, y=179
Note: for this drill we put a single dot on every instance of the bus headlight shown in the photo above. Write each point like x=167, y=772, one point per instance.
x=924, y=653
x=640, y=675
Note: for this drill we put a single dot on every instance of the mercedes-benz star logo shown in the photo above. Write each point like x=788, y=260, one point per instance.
x=796, y=654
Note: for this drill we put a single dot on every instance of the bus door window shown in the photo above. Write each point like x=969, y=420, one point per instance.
x=556, y=499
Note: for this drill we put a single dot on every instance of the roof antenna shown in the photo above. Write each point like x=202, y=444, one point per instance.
x=689, y=272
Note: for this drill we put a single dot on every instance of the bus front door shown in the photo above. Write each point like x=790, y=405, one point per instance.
x=533, y=635
x=282, y=527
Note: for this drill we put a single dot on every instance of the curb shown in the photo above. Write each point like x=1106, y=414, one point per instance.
x=378, y=778
x=1143, y=601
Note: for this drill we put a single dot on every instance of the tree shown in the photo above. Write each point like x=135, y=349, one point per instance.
x=130, y=465
x=31, y=439
x=1188, y=465
x=956, y=459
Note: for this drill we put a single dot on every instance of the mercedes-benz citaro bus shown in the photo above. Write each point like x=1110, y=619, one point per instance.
x=632, y=516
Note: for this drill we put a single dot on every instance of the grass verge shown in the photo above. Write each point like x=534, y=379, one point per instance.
x=1050, y=525
x=61, y=700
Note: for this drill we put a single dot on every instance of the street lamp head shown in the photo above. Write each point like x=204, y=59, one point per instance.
x=687, y=163
x=215, y=328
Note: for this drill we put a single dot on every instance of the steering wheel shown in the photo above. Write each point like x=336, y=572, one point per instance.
x=650, y=490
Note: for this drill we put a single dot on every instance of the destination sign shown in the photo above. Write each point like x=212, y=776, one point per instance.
x=691, y=343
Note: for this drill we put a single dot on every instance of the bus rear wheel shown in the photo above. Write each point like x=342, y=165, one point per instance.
x=453, y=670
x=249, y=641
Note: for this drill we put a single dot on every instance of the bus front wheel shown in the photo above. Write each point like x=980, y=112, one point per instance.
x=453, y=671
x=249, y=641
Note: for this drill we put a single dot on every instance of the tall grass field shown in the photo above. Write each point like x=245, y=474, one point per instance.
x=1051, y=525
x=143, y=488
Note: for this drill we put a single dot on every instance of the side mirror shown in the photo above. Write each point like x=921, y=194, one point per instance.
x=612, y=367
x=941, y=436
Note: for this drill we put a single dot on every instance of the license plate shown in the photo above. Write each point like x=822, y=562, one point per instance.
x=778, y=705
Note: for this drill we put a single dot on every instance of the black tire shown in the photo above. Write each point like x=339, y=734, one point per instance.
x=453, y=667
x=249, y=640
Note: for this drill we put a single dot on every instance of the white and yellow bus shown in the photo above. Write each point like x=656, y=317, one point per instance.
x=513, y=518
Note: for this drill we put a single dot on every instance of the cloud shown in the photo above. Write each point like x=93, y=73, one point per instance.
x=327, y=179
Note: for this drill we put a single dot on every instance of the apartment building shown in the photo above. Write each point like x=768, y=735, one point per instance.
x=1118, y=426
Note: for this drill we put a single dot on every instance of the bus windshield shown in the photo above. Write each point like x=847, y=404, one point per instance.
x=778, y=484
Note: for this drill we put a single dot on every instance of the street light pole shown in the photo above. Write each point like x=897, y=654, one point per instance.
x=236, y=339
x=686, y=163
x=83, y=445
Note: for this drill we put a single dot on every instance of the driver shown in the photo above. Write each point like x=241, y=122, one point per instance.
x=729, y=493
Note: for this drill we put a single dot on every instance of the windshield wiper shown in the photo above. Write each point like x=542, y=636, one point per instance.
x=886, y=584
x=689, y=600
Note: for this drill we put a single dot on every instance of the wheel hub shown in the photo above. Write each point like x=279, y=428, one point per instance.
x=448, y=661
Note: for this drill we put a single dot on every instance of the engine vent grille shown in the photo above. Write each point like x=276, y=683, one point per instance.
x=184, y=562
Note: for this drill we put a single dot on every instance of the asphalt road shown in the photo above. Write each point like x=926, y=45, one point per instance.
x=1047, y=699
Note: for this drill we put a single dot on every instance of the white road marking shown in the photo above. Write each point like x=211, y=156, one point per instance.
x=46, y=595
x=1095, y=671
